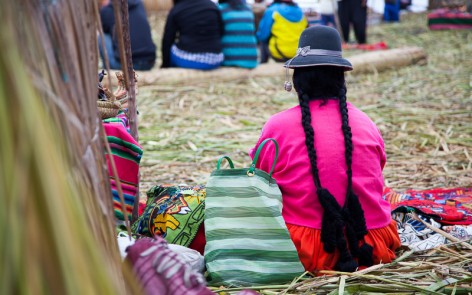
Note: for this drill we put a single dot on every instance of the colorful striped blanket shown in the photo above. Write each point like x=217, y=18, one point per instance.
x=127, y=154
x=445, y=19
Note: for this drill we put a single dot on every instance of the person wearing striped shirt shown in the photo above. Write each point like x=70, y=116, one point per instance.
x=239, y=39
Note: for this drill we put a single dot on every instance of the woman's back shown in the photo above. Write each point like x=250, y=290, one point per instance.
x=192, y=35
x=330, y=164
x=199, y=25
x=293, y=171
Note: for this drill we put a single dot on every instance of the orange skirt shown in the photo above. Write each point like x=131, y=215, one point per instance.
x=313, y=257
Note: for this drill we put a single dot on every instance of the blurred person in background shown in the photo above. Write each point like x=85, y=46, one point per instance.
x=327, y=9
x=143, y=48
x=392, y=11
x=192, y=36
x=258, y=7
x=279, y=30
x=353, y=12
x=239, y=38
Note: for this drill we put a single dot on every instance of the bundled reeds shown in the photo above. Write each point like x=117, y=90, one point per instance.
x=56, y=218
x=370, y=62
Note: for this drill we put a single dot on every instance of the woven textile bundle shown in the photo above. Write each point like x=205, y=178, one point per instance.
x=127, y=155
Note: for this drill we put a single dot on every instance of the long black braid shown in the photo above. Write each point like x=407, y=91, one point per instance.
x=304, y=100
x=354, y=214
x=322, y=83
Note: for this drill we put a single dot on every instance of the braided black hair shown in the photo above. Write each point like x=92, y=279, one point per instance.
x=354, y=213
x=338, y=222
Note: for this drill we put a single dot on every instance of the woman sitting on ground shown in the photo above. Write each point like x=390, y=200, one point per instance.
x=192, y=36
x=239, y=39
x=330, y=164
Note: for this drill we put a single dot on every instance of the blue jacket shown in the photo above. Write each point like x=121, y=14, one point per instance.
x=292, y=13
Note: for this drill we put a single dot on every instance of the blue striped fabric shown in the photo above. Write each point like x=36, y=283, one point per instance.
x=239, y=40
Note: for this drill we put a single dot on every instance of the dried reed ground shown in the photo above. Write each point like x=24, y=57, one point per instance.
x=423, y=111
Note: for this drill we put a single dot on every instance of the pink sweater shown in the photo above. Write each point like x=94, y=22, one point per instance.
x=293, y=171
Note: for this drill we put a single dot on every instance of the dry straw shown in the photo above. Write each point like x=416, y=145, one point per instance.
x=424, y=112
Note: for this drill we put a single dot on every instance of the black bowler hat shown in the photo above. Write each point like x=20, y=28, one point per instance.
x=319, y=46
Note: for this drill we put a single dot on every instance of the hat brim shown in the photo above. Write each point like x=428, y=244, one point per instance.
x=313, y=61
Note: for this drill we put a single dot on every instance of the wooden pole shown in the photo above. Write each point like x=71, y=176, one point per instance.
x=122, y=24
x=128, y=72
x=119, y=34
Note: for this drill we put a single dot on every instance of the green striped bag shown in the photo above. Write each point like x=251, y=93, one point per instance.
x=247, y=241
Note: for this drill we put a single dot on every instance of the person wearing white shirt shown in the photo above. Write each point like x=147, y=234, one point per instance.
x=327, y=9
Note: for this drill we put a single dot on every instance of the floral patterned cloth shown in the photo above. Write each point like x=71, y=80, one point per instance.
x=174, y=212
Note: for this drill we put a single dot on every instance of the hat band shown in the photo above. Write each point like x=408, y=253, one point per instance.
x=304, y=51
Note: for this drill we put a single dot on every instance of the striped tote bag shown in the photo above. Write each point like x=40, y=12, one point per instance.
x=248, y=243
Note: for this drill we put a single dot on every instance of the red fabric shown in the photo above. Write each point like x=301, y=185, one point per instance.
x=141, y=206
x=313, y=257
x=199, y=241
x=369, y=47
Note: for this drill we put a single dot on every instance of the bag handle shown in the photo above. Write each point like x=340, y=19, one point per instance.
x=231, y=165
x=250, y=172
